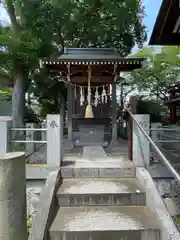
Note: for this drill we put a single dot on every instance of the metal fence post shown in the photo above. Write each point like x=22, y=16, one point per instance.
x=30, y=136
x=155, y=135
x=133, y=110
x=43, y=133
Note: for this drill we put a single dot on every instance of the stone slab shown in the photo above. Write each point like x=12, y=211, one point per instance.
x=77, y=192
x=97, y=172
x=39, y=171
x=159, y=171
x=95, y=186
x=111, y=162
x=94, y=152
x=106, y=235
x=172, y=206
x=113, y=199
x=82, y=144
x=103, y=218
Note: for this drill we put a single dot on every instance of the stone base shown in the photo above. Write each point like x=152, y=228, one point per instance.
x=68, y=144
x=114, y=144
x=93, y=152
x=82, y=144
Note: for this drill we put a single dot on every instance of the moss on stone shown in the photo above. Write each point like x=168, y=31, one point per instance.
x=29, y=224
x=177, y=222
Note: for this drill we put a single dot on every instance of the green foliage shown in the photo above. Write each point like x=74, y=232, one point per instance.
x=152, y=107
x=43, y=28
x=50, y=91
x=159, y=72
x=31, y=116
x=177, y=222
x=5, y=95
x=40, y=28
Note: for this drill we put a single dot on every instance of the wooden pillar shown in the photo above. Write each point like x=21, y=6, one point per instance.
x=133, y=110
x=108, y=101
x=70, y=108
x=172, y=109
x=114, y=113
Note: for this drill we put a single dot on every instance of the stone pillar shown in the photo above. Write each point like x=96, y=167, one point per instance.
x=31, y=136
x=13, y=197
x=70, y=108
x=141, y=145
x=5, y=134
x=133, y=110
x=114, y=117
x=114, y=113
x=54, y=139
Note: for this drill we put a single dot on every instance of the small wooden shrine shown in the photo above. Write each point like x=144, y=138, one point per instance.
x=173, y=103
x=91, y=75
x=167, y=27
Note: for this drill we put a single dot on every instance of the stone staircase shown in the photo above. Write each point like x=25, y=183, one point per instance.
x=100, y=198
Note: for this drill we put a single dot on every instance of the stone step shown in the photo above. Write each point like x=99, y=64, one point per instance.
x=80, y=143
x=89, y=192
x=108, y=223
x=97, y=172
x=118, y=168
x=115, y=161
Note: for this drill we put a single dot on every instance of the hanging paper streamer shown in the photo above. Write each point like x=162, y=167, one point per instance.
x=96, y=97
x=103, y=96
x=81, y=96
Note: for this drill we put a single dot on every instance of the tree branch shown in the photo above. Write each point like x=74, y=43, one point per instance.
x=12, y=15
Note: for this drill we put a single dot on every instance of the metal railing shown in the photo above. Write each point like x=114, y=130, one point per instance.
x=30, y=130
x=157, y=150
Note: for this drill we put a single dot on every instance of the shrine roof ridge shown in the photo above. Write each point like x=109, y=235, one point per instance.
x=166, y=30
x=92, y=54
x=92, y=51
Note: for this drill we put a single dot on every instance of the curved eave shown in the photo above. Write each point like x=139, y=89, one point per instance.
x=125, y=64
x=101, y=62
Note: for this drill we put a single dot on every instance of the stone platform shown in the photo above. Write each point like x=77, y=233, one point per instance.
x=108, y=222
x=83, y=192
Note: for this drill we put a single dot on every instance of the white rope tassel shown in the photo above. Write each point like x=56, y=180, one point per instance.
x=103, y=96
x=96, y=97
x=40, y=63
x=81, y=96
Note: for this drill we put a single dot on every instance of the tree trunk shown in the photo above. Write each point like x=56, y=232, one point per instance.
x=18, y=100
